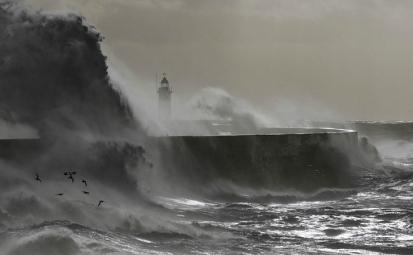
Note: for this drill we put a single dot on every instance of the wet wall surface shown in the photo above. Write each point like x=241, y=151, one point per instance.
x=305, y=161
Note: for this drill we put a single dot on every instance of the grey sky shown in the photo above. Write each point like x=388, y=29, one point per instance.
x=349, y=57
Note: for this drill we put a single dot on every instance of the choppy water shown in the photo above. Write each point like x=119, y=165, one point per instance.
x=375, y=218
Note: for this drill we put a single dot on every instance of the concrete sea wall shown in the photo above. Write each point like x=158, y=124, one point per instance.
x=304, y=159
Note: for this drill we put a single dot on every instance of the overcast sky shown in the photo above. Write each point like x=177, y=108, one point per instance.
x=353, y=58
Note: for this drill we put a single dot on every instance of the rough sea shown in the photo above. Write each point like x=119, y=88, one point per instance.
x=55, y=86
x=374, y=217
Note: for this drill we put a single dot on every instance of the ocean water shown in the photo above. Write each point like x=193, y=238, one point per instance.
x=373, y=217
x=54, y=80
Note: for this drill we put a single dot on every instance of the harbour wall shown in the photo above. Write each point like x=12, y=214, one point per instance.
x=303, y=159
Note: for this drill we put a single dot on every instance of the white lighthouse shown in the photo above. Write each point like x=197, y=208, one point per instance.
x=164, y=95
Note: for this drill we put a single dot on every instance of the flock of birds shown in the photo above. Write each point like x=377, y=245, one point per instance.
x=69, y=176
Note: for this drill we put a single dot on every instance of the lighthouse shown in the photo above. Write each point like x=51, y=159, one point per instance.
x=164, y=97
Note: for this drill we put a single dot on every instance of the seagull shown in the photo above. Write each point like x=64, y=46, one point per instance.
x=70, y=175
x=59, y=194
x=85, y=182
x=100, y=202
x=86, y=192
x=37, y=178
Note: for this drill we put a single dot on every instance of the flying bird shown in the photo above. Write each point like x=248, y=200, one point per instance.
x=59, y=194
x=86, y=192
x=70, y=175
x=37, y=178
x=100, y=202
x=85, y=182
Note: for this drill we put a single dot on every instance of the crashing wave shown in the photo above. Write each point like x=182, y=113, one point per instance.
x=53, y=74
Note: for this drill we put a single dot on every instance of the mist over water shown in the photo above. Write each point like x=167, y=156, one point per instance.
x=55, y=85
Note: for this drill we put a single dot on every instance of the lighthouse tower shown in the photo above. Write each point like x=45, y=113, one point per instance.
x=164, y=95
